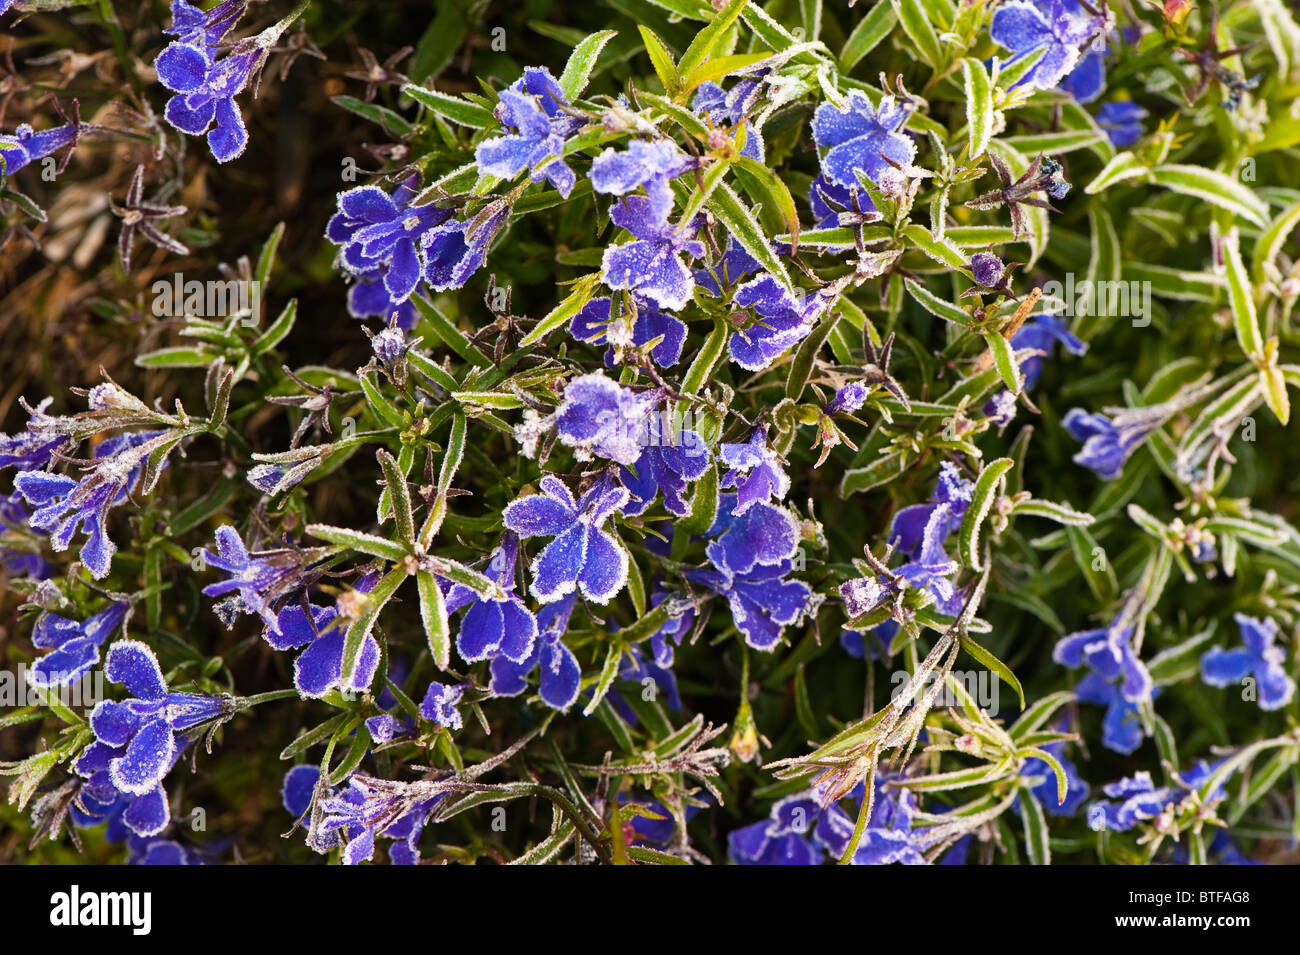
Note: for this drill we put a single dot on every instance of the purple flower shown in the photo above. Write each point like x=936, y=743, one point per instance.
x=531, y=106
x=761, y=534
x=732, y=107
x=319, y=668
x=1141, y=801
x=862, y=138
x=204, y=28
x=255, y=581
x=599, y=416
x=439, y=705
x=763, y=603
x=1107, y=443
x=670, y=459
x=560, y=674
x=783, y=322
x=1260, y=658
x=379, y=235
x=1066, y=32
x=756, y=472
x=583, y=556
x=369, y=298
x=987, y=269
x=493, y=628
x=598, y=323
x=1122, y=120
x=848, y=399
x=35, y=447
x=65, y=505
x=370, y=807
x=74, y=645
x=1119, y=681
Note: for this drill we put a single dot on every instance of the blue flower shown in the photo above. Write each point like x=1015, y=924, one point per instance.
x=1122, y=121
x=1042, y=333
x=761, y=534
x=379, y=235
x=36, y=446
x=65, y=505
x=848, y=399
x=560, y=675
x=1107, y=443
x=733, y=108
x=922, y=528
x=756, y=472
x=136, y=740
x=1260, y=657
x=856, y=645
x=648, y=164
x=735, y=264
x=599, y=416
x=1068, y=36
x=601, y=321
x=1119, y=681
x=531, y=106
x=27, y=146
x=783, y=322
x=652, y=265
x=828, y=199
x=74, y=645
x=19, y=560
x=370, y=807
x=455, y=250
x=800, y=831
x=664, y=640
x=862, y=138
x=319, y=668
x=255, y=580
x=1140, y=800
x=583, y=556
x=493, y=627
x=206, y=86
x=762, y=601
x=670, y=459
x=439, y=705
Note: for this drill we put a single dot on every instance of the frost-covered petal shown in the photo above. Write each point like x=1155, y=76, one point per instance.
x=604, y=571
x=134, y=665
x=556, y=569
x=147, y=759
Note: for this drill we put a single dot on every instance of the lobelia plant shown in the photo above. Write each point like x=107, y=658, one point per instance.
x=767, y=433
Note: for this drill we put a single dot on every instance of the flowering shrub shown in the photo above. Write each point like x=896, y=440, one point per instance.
x=681, y=432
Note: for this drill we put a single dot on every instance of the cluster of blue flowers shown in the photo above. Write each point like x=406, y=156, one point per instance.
x=659, y=465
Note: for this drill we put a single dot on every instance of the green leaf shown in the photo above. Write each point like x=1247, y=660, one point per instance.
x=393, y=123
x=433, y=611
x=740, y=222
x=935, y=305
x=1214, y=187
x=181, y=356
x=573, y=303
x=365, y=622
x=1004, y=359
x=606, y=679
x=577, y=71
x=399, y=495
x=454, y=108
x=706, y=358
x=866, y=36
x=806, y=356
x=985, y=657
x=707, y=40
x=979, y=106
x=358, y=541
x=916, y=24
x=450, y=335
x=982, y=499
x=384, y=409
x=1037, y=846
x=1242, y=297
x=1270, y=243
x=661, y=60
